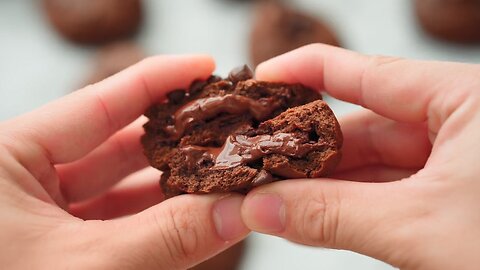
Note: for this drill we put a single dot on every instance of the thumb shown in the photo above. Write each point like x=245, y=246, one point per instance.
x=180, y=232
x=362, y=217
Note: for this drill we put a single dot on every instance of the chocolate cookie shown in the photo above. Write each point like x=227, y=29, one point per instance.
x=278, y=29
x=453, y=20
x=113, y=58
x=94, y=21
x=227, y=260
x=238, y=133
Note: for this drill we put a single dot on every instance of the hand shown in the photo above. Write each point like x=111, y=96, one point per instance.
x=430, y=219
x=71, y=152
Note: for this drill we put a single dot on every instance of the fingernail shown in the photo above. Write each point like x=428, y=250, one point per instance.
x=227, y=218
x=266, y=213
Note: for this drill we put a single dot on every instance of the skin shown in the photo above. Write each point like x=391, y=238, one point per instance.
x=59, y=166
x=413, y=203
x=413, y=154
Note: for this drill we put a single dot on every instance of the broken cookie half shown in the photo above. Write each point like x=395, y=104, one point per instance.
x=224, y=135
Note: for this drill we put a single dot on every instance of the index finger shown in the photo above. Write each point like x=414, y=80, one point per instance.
x=404, y=90
x=72, y=126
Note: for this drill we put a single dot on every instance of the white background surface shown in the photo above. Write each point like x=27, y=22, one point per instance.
x=37, y=66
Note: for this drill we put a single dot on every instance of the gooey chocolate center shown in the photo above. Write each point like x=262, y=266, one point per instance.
x=206, y=108
x=237, y=149
x=241, y=149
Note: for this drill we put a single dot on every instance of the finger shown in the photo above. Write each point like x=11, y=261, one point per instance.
x=370, y=139
x=400, y=89
x=375, y=174
x=362, y=217
x=102, y=168
x=177, y=233
x=142, y=192
x=70, y=127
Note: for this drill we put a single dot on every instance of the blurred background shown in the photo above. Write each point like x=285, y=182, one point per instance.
x=38, y=64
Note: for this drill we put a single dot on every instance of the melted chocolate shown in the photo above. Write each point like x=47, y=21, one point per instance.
x=287, y=171
x=240, y=150
x=262, y=178
x=205, y=108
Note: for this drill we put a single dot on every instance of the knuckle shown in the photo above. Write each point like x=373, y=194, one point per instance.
x=318, y=222
x=104, y=111
x=381, y=61
x=180, y=233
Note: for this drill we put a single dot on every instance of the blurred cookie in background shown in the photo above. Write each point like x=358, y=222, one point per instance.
x=94, y=21
x=278, y=29
x=452, y=20
x=113, y=58
x=228, y=260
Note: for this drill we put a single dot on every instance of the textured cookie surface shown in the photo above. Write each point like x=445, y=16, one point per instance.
x=94, y=21
x=238, y=133
x=278, y=29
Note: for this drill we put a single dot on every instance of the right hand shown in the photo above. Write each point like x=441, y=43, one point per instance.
x=422, y=128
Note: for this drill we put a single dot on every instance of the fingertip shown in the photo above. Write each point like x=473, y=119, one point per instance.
x=208, y=58
x=267, y=71
x=202, y=64
x=293, y=66
x=222, y=211
x=227, y=218
x=264, y=212
x=163, y=73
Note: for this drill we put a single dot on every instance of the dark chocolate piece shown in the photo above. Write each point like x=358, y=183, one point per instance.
x=262, y=178
x=176, y=96
x=233, y=135
x=242, y=73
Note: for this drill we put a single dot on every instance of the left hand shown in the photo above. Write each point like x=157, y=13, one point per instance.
x=59, y=163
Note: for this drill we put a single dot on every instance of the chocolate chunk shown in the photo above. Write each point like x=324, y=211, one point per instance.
x=278, y=29
x=197, y=86
x=233, y=137
x=262, y=178
x=242, y=73
x=176, y=96
x=213, y=79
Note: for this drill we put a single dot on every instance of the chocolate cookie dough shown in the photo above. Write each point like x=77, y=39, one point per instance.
x=453, y=20
x=113, y=58
x=238, y=133
x=278, y=29
x=94, y=21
